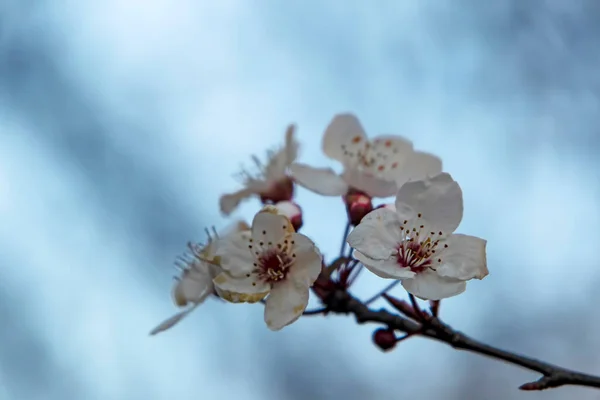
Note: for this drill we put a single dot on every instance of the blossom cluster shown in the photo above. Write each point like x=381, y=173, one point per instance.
x=411, y=240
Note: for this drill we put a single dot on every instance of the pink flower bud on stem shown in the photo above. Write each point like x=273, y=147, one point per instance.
x=358, y=204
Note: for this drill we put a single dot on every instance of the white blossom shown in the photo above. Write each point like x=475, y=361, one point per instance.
x=198, y=269
x=416, y=244
x=270, y=260
x=376, y=167
x=271, y=181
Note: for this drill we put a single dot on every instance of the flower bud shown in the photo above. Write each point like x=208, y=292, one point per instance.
x=385, y=339
x=282, y=190
x=292, y=211
x=358, y=204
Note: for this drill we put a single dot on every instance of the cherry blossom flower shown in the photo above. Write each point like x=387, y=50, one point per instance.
x=271, y=182
x=270, y=260
x=375, y=167
x=199, y=267
x=292, y=211
x=416, y=243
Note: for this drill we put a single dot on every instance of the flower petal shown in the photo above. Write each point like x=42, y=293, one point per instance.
x=269, y=228
x=464, y=258
x=429, y=285
x=286, y=303
x=173, y=320
x=377, y=235
x=343, y=135
x=370, y=184
x=438, y=199
x=194, y=286
x=248, y=289
x=235, y=256
x=323, y=181
x=419, y=165
x=308, y=261
x=387, y=269
x=288, y=209
x=229, y=202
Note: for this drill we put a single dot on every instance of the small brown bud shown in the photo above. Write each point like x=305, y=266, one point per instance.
x=385, y=339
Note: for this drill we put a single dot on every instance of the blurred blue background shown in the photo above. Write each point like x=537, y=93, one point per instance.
x=122, y=121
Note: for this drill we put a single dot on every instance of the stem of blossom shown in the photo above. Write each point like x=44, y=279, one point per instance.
x=358, y=268
x=343, y=246
x=342, y=302
x=381, y=292
x=316, y=311
x=417, y=308
x=434, y=307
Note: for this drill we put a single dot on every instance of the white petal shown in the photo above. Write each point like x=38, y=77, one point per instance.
x=378, y=234
x=286, y=303
x=387, y=269
x=289, y=209
x=171, y=321
x=308, y=260
x=235, y=255
x=464, y=258
x=229, y=202
x=438, y=199
x=291, y=145
x=193, y=287
x=429, y=285
x=343, y=134
x=372, y=185
x=323, y=181
x=248, y=289
x=419, y=165
x=269, y=229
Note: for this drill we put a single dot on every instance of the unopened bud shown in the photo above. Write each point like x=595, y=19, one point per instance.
x=358, y=205
x=282, y=190
x=292, y=211
x=385, y=339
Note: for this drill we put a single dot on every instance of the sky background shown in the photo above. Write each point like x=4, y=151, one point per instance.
x=123, y=121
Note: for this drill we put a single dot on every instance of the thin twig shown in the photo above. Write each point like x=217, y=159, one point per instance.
x=341, y=302
x=316, y=311
x=381, y=293
x=343, y=246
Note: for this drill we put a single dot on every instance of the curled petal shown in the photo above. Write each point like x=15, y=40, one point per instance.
x=429, y=285
x=378, y=234
x=248, y=289
x=464, y=258
x=286, y=303
x=438, y=199
x=323, y=181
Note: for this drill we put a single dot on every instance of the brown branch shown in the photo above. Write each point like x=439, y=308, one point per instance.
x=341, y=302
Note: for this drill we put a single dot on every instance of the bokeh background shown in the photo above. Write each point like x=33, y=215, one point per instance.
x=122, y=121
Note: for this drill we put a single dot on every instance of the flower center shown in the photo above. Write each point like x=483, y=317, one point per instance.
x=273, y=265
x=377, y=156
x=420, y=249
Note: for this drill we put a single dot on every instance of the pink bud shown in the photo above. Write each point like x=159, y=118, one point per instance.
x=292, y=211
x=358, y=204
x=385, y=339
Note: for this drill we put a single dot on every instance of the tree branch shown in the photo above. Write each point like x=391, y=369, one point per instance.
x=341, y=302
